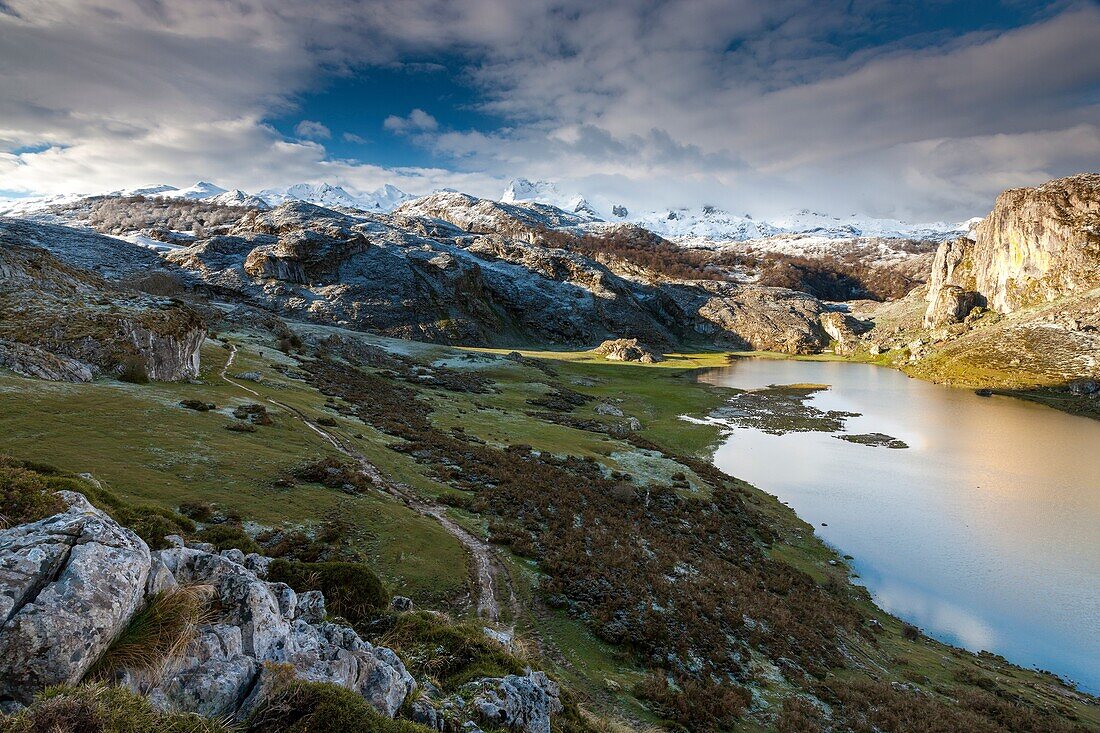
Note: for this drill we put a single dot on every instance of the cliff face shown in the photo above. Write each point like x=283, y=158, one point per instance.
x=63, y=323
x=1037, y=245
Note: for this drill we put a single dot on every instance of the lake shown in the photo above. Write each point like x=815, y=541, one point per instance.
x=985, y=531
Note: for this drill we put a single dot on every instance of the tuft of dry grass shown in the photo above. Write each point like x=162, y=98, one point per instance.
x=156, y=637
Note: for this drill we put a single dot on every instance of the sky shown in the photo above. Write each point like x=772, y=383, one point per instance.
x=916, y=110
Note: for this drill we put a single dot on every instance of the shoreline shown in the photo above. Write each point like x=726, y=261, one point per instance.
x=945, y=637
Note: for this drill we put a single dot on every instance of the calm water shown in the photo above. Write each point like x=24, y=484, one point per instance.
x=985, y=532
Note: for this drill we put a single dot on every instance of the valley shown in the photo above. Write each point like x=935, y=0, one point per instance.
x=422, y=394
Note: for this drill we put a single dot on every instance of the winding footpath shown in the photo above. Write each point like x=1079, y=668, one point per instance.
x=487, y=566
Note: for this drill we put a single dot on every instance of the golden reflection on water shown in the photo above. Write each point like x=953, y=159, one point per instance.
x=986, y=531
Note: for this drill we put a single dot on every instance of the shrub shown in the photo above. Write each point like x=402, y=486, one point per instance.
x=227, y=536
x=351, y=589
x=200, y=511
x=453, y=654
x=101, y=708
x=25, y=495
x=134, y=370
x=335, y=474
x=153, y=523
x=317, y=707
x=910, y=632
x=697, y=705
x=156, y=636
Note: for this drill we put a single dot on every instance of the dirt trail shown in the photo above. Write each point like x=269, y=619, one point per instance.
x=489, y=569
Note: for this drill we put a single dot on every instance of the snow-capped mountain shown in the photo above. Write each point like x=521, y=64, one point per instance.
x=237, y=197
x=711, y=224
x=19, y=207
x=383, y=199
x=321, y=194
x=853, y=225
x=523, y=191
x=196, y=192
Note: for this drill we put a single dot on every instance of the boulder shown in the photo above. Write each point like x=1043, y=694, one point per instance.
x=843, y=329
x=951, y=304
x=68, y=586
x=259, y=623
x=518, y=703
x=628, y=350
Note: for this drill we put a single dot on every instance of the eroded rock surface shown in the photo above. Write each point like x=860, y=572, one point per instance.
x=1037, y=245
x=64, y=323
x=68, y=585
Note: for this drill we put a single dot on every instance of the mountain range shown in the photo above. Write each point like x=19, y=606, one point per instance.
x=699, y=225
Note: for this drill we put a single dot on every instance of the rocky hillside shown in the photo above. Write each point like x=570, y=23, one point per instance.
x=61, y=322
x=84, y=599
x=446, y=268
x=1036, y=246
x=1016, y=308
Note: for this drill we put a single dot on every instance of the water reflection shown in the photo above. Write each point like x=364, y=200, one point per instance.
x=985, y=531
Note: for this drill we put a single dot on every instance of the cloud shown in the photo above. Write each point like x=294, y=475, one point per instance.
x=351, y=137
x=417, y=121
x=312, y=130
x=752, y=105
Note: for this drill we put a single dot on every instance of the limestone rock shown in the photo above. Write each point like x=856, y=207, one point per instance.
x=1037, y=245
x=68, y=585
x=605, y=409
x=518, y=703
x=842, y=329
x=264, y=622
x=61, y=322
x=627, y=350
x=952, y=304
x=32, y=361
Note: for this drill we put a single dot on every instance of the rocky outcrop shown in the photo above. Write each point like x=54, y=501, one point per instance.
x=628, y=350
x=31, y=361
x=413, y=276
x=1037, y=245
x=268, y=623
x=61, y=322
x=843, y=329
x=519, y=703
x=68, y=586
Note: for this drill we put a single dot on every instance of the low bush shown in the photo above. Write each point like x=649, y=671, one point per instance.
x=450, y=653
x=134, y=370
x=25, y=495
x=200, y=511
x=352, y=590
x=694, y=704
x=317, y=707
x=100, y=708
x=335, y=474
x=227, y=536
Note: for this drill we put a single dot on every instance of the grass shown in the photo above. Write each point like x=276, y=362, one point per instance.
x=101, y=708
x=315, y=707
x=194, y=459
x=140, y=443
x=156, y=636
